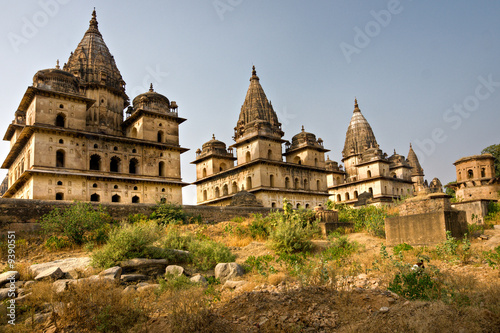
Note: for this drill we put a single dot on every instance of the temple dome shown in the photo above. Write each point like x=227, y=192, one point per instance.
x=417, y=170
x=214, y=145
x=359, y=136
x=93, y=63
x=151, y=101
x=56, y=79
x=257, y=113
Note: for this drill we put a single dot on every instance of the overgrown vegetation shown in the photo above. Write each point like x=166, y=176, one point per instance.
x=79, y=223
x=495, y=151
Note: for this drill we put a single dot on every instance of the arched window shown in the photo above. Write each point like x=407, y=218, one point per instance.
x=217, y=192
x=95, y=197
x=296, y=183
x=114, y=164
x=205, y=195
x=222, y=167
x=315, y=162
x=318, y=185
x=161, y=169
x=371, y=190
x=234, y=188
x=204, y=172
x=249, y=182
x=96, y=146
x=470, y=173
x=339, y=198
x=61, y=141
x=115, y=187
x=133, y=132
x=297, y=160
x=369, y=174
x=307, y=206
x=59, y=183
x=298, y=206
x=94, y=185
x=224, y=190
x=337, y=181
x=356, y=194
x=133, y=165
x=306, y=184
x=95, y=162
x=347, y=196
x=269, y=154
x=273, y=204
x=60, y=120
x=60, y=159
x=135, y=199
x=287, y=182
x=115, y=198
x=59, y=196
x=247, y=157
x=135, y=188
x=483, y=172
x=459, y=176
x=160, y=136
x=271, y=180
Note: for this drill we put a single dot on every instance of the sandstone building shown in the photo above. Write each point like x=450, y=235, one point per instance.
x=476, y=178
x=368, y=170
x=259, y=168
x=69, y=140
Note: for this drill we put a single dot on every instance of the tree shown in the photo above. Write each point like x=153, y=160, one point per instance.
x=495, y=151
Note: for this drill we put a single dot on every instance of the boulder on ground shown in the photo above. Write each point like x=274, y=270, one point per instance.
x=113, y=273
x=148, y=287
x=230, y=284
x=226, y=271
x=60, y=286
x=174, y=270
x=144, y=266
x=9, y=276
x=53, y=273
x=198, y=278
x=65, y=265
x=4, y=293
x=133, y=277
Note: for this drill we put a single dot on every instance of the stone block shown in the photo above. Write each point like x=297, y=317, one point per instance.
x=9, y=276
x=53, y=273
x=226, y=271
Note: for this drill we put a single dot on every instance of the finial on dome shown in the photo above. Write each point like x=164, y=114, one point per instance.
x=93, y=21
x=394, y=151
x=57, y=64
x=213, y=136
x=410, y=146
x=254, y=72
x=356, y=103
x=302, y=128
x=151, y=87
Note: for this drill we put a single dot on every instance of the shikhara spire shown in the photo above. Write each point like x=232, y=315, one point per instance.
x=359, y=134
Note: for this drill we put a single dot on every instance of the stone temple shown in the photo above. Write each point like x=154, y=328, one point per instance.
x=260, y=168
x=70, y=141
x=370, y=171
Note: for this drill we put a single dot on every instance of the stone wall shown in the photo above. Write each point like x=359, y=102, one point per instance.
x=478, y=208
x=425, y=204
x=426, y=228
x=22, y=214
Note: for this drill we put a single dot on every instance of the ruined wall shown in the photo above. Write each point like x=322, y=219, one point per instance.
x=476, y=210
x=422, y=205
x=426, y=228
x=19, y=214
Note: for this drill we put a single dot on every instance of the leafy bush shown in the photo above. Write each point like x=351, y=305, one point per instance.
x=415, y=284
x=368, y=218
x=402, y=247
x=259, y=229
x=292, y=234
x=56, y=243
x=127, y=242
x=261, y=264
x=206, y=254
x=168, y=213
x=340, y=248
x=493, y=257
x=172, y=283
x=493, y=216
x=79, y=222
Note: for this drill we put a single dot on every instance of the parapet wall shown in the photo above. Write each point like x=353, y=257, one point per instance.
x=23, y=214
x=476, y=210
x=425, y=204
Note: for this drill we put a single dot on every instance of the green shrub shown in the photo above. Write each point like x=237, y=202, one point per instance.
x=206, y=254
x=175, y=240
x=127, y=242
x=168, y=213
x=367, y=218
x=402, y=247
x=259, y=229
x=492, y=257
x=80, y=222
x=174, y=283
x=291, y=236
x=239, y=219
x=55, y=243
x=415, y=284
x=493, y=216
x=261, y=264
x=339, y=249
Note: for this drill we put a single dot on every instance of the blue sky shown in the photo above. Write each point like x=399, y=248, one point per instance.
x=424, y=72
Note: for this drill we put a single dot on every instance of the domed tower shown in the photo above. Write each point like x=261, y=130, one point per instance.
x=258, y=132
x=213, y=158
x=417, y=173
x=306, y=150
x=100, y=80
x=359, y=137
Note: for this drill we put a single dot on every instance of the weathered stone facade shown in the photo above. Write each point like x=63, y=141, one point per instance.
x=260, y=168
x=476, y=178
x=368, y=169
x=69, y=140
